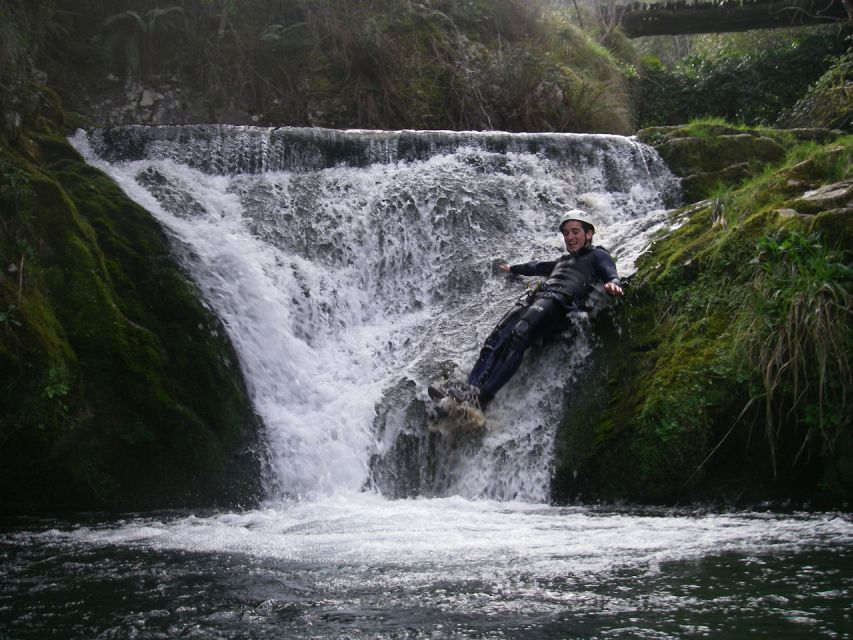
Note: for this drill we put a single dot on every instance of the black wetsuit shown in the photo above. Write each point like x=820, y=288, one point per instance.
x=569, y=281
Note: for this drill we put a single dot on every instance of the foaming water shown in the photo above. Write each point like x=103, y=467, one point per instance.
x=357, y=565
x=357, y=528
x=352, y=268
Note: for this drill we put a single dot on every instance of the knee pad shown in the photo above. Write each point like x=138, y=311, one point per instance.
x=521, y=332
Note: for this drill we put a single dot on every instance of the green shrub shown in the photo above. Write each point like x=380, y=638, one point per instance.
x=829, y=102
x=750, y=87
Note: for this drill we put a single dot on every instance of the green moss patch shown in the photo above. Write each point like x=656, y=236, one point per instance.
x=120, y=389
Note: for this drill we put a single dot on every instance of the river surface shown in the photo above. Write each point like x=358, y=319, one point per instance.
x=363, y=566
x=350, y=269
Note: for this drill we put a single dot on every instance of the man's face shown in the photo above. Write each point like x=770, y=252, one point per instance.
x=574, y=236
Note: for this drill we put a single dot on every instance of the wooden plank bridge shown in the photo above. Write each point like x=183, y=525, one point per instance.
x=673, y=17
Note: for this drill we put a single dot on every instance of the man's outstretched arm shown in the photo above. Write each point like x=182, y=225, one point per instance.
x=606, y=269
x=534, y=268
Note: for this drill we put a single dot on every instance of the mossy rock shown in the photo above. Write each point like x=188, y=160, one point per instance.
x=838, y=195
x=657, y=135
x=641, y=426
x=122, y=390
x=708, y=156
x=697, y=186
x=692, y=155
x=836, y=225
x=812, y=134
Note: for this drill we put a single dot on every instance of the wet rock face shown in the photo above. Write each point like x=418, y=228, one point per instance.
x=169, y=195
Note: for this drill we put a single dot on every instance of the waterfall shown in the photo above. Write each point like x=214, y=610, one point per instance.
x=351, y=268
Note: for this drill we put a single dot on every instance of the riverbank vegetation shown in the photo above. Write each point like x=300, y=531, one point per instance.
x=496, y=64
x=749, y=78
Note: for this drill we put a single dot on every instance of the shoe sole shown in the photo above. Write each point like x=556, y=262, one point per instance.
x=446, y=414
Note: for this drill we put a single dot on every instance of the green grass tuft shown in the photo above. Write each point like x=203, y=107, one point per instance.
x=795, y=329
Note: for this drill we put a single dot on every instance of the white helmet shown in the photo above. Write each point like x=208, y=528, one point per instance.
x=578, y=215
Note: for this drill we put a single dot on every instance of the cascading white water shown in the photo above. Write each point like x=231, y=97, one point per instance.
x=350, y=268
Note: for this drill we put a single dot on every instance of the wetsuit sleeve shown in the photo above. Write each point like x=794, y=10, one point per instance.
x=534, y=268
x=605, y=268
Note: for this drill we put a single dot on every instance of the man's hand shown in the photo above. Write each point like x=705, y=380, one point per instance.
x=504, y=268
x=613, y=289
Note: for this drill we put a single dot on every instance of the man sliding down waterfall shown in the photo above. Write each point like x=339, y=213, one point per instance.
x=541, y=313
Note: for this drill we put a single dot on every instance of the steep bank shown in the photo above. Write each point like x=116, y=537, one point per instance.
x=380, y=64
x=726, y=376
x=120, y=389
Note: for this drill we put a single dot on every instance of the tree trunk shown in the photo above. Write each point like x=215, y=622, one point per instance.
x=223, y=20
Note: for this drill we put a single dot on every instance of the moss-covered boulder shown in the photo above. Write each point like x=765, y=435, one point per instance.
x=726, y=373
x=120, y=389
x=708, y=155
x=833, y=196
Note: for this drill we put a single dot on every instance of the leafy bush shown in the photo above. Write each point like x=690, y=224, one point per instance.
x=741, y=86
x=829, y=102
